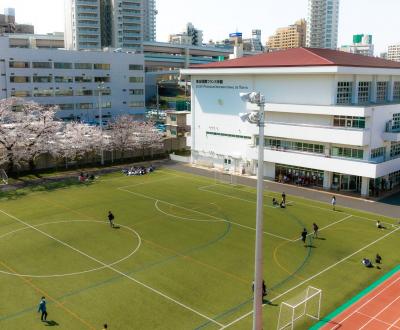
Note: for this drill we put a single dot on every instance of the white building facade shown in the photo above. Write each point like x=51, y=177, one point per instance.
x=322, y=24
x=393, y=53
x=329, y=124
x=73, y=81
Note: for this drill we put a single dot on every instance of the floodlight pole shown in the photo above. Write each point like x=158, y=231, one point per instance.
x=259, y=255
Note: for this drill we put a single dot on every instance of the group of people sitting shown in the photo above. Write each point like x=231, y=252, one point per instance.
x=140, y=170
x=367, y=263
x=85, y=177
x=282, y=204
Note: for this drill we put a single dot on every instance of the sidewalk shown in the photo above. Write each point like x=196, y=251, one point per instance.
x=373, y=206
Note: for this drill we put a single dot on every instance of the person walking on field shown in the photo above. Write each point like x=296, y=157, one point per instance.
x=111, y=219
x=43, y=309
x=304, y=235
x=333, y=202
x=315, y=228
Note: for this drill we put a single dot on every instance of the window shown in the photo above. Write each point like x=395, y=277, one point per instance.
x=381, y=91
x=20, y=93
x=136, y=91
x=83, y=66
x=104, y=105
x=61, y=79
x=83, y=92
x=41, y=65
x=364, y=91
x=277, y=144
x=20, y=79
x=67, y=106
x=18, y=64
x=101, y=79
x=396, y=121
x=344, y=92
x=378, y=152
x=136, y=104
x=84, y=106
x=137, y=67
x=43, y=93
x=135, y=79
x=60, y=65
x=83, y=79
x=347, y=152
x=396, y=91
x=227, y=161
x=98, y=66
x=394, y=149
x=42, y=79
x=229, y=135
x=64, y=92
x=173, y=117
x=348, y=121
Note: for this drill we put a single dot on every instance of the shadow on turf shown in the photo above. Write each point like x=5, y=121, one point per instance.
x=51, y=323
x=45, y=187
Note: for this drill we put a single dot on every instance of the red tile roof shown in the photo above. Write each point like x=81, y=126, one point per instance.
x=296, y=57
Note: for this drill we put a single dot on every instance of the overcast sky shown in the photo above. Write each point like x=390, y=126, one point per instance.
x=217, y=18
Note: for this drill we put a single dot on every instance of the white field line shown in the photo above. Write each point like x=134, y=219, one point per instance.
x=394, y=324
x=367, y=302
x=316, y=207
x=314, y=276
x=202, y=213
x=146, y=182
x=113, y=269
x=378, y=320
x=331, y=224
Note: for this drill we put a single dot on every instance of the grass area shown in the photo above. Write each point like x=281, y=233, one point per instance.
x=182, y=257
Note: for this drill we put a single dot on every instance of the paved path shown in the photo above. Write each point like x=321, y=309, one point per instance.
x=387, y=209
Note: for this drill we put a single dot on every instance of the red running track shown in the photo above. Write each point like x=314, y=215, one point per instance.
x=378, y=310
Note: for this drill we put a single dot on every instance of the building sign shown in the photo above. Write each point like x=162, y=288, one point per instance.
x=218, y=84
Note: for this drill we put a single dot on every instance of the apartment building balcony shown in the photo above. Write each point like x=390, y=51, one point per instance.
x=392, y=133
x=324, y=134
x=87, y=9
x=93, y=3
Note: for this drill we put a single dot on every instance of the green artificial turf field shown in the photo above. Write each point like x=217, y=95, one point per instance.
x=182, y=257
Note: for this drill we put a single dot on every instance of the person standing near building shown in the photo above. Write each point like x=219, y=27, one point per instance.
x=333, y=202
x=43, y=309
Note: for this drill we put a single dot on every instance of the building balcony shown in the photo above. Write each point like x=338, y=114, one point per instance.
x=322, y=134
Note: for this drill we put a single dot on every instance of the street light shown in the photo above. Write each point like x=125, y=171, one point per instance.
x=100, y=88
x=257, y=117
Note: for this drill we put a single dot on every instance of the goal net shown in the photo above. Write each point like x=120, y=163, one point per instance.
x=4, y=176
x=306, y=304
x=225, y=177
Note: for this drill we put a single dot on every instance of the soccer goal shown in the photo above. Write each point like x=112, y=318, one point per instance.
x=306, y=304
x=225, y=177
x=4, y=176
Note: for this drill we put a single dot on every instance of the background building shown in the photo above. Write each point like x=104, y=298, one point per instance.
x=393, y=53
x=292, y=36
x=95, y=24
x=71, y=80
x=254, y=43
x=322, y=23
x=362, y=45
x=190, y=36
x=9, y=25
x=332, y=118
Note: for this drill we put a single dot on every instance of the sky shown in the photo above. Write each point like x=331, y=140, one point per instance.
x=218, y=18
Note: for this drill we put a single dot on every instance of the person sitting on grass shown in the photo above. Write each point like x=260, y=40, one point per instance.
x=274, y=202
x=378, y=259
x=367, y=263
x=379, y=225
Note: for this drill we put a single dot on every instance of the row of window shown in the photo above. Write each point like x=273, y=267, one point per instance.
x=59, y=92
x=349, y=121
x=293, y=145
x=364, y=91
x=347, y=152
x=88, y=106
x=229, y=135
x=378, y=152
x=68, y=65
x=394, y=149
x=58, y=79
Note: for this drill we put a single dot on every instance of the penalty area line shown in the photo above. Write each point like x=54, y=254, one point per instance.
x=113, y=269
x=312, y=277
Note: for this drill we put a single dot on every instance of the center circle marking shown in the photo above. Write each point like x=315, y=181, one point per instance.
x=74, y=273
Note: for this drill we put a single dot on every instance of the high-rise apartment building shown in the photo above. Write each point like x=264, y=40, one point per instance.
x=94, y=24
x=393, y=53
x=292, y=36
x=8, y=24
x=322, y=23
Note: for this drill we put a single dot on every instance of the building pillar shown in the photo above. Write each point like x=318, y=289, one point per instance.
x=390, y=89
x=364, y=186
x=354, y=92
x=327, y=180
x=373, y=89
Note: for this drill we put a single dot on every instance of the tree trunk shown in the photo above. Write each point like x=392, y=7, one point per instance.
x=32, y=165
